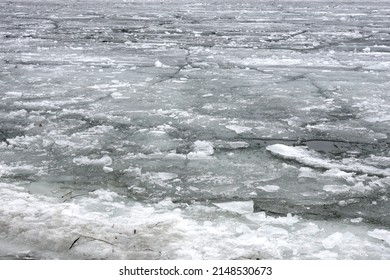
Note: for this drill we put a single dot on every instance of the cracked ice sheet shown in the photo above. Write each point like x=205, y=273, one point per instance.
x=153, y=101
x=113, y=227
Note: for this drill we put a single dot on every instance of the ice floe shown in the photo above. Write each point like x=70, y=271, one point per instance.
x=269, y=188
x=202, y=150
x=315, y=160
x=381, y=234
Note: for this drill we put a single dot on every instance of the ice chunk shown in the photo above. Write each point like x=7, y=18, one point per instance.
x=310, y=229
x=359, y=187
x=105, y=194
x=377, y=118
x=133, y=171
x=157, y=132
x=380, y=234
x=306, y=172
x=159, y=64
x=332, y=240
x=204, y=146
x=337, y=188
x=164, y=176
x=275, y=232
x=241, y=207
x=239, y=129
x=270, y=61
x=357, y=220
x=237, y=145
x=269, y=188
x=367, y=49
x=326, y=255
x=202, y=150
x=116, y=95
x=314, y=159
x=19, y=113
x=107, y=169
x=299, y=154
x=337, y=173
x=105, y=161
x=231, y=144
x=380, y=136
x=19, y=169
x=175, y=156
x=14, y=93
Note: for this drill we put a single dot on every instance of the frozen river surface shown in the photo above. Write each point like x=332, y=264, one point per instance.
x=194, y=129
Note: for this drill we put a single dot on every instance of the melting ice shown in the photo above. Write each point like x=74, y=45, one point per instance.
x=194, y=129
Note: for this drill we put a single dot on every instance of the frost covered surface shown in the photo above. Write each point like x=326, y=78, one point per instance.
x=194, y=129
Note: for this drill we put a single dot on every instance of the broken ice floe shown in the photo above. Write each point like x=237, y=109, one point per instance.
x=202, y=150
x=316, y=160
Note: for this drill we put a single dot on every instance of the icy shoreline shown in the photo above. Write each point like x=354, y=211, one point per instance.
x=107, y=226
